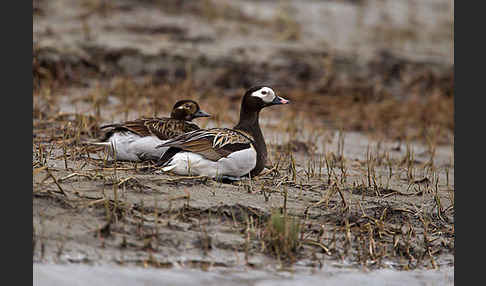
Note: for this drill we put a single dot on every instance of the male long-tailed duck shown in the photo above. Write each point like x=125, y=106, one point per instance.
x=223, y=152
x=136, y=140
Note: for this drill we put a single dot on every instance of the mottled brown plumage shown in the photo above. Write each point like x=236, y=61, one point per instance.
x=213, y=144
x=163, y=128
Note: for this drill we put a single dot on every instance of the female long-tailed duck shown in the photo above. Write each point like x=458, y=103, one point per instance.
x=136, y=140
x=223, y=152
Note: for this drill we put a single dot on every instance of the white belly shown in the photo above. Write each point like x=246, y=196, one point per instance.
x=131, y=147
x=237, y=164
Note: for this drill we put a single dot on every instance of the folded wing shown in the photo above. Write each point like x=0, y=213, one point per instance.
x=162, y=128
x=213, y=144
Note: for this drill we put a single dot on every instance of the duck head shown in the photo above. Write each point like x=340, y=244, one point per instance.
x=187, y=110
x=259, y=97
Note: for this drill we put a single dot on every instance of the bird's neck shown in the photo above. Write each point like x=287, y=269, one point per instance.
x=249, y=124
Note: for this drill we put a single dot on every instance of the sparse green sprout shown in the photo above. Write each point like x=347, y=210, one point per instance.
x=282, y=235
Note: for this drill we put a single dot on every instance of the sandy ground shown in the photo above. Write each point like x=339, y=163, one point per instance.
x=369, y=207
x=167, y=221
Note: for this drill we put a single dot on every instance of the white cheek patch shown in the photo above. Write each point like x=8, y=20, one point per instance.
x=265, y=93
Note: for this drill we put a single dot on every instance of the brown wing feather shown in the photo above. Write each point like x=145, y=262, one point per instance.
x=204, y=147
x=169, y=128
x=136, y=126
x=163, y=128
x=213, y=144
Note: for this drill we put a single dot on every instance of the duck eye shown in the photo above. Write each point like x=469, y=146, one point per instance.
x=264, y=92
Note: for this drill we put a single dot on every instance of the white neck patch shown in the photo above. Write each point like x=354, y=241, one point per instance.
x=265, y=93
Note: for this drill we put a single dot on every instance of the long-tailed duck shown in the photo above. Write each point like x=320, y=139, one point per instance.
x=223, y=152
x=136, y=140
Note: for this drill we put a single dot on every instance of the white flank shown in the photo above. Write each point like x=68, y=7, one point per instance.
x=237, y=164
x=265, y=93
x=131, y=147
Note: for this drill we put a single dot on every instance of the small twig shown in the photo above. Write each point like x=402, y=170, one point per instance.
x=181, y=179
x=37, y=170
x=274, y=168
x=118, y=168
x=315, y=243
x=345, y=205
x=55, y=182
x=74, y=174
x=124, y=180
x=95, y=202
